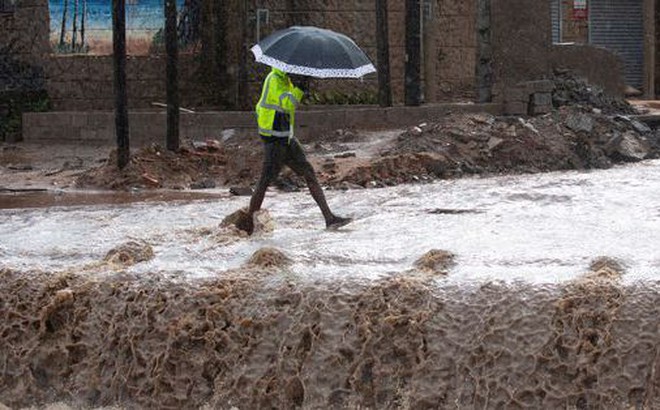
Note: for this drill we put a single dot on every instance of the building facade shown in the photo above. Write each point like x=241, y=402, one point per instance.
x=520, y=36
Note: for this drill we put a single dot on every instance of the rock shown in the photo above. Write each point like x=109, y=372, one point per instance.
x=436, y=261
x=345, y=186
x=640, y=126
x=203, y=184
x=637, y=125
x=631, y=91
x=632, y=148
x=605, y=267
x=228, y=134
x=580, y=122
x=261, y=221
x=269, y=257
x=130, y=253
x=494, y=142
x=345, y=155
x=241, y=191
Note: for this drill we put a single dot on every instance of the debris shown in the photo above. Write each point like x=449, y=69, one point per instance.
x=203, y=184
x=268, y=258
x=494, y=142
x=605, y=267
x=580, y=122
x=241, y=191
x=130, y=253
x=21, y=167
x=150, y=180
x=346, y=155
x=632, y=148
x=436, y=261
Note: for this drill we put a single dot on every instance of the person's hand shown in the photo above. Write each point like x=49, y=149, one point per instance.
x=300, y=81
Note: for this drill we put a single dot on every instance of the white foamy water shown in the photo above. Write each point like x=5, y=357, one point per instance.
x=538, y=228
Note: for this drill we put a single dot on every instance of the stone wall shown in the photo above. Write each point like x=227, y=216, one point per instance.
x=77, y=82
x=97, y=128
x=450, y=51
x=80, y=82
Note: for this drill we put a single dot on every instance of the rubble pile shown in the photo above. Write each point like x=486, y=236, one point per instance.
x=572, y=90
x=571, y=137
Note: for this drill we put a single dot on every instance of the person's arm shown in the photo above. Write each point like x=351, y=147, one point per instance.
x=290, y=99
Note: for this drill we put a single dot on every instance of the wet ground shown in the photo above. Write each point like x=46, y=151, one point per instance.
x=537, y=228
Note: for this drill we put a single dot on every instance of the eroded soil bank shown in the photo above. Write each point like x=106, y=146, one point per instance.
x=256, y=338
x=569, y=138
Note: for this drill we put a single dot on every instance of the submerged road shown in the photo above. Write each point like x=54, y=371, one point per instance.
x=541, y=228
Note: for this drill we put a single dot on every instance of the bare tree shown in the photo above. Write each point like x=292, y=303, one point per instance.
x=75, y=27
x=172, y=49
x=121, y=99
x=82, y=23
x=65, y=9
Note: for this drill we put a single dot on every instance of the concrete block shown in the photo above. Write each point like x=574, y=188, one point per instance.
x=515, y=108
x=542, y=99
x=539, y=86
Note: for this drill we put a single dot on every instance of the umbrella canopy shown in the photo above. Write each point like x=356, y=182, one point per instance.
x=313, y=52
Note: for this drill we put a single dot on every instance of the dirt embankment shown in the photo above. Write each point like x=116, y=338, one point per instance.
x=250, y=340
x=571, y=137
x=587, y=129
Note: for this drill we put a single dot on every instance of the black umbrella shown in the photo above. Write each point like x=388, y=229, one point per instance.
x=313, y=52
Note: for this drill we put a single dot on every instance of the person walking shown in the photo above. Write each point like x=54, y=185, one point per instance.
x=276, y=120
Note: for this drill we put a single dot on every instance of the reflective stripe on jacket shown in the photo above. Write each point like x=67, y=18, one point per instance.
x=277, y=105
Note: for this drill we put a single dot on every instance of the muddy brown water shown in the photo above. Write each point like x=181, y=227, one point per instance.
x=45, y=198
x=254, y=339
x=343, y=319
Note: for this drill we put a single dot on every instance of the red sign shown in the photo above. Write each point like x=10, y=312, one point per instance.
x=580, y=10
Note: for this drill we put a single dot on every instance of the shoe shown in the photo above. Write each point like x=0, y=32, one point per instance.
x=338, y=222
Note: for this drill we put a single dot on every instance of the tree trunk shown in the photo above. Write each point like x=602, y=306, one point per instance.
x=75, y=27
x=65, y=9
x=243, y=100
x=413, y=92
x=119, y=62
x=484, y=69
x=82, y=24
x=383, y=46
x=172, y=49
x=189, y=22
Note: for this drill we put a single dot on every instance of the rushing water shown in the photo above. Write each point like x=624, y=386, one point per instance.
x=538, y=228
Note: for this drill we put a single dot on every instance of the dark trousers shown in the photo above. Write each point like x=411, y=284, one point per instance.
x=277, y=153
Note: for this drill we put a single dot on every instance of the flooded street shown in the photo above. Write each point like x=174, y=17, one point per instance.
x=516, y=323
x=536, y=228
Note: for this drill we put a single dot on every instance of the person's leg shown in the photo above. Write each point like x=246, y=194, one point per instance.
x=297, y=161
x=272, y=165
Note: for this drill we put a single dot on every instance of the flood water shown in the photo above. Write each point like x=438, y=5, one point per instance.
x=540, y=228
x=348, y=324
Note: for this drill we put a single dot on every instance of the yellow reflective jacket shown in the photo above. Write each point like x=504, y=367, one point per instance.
x=277, y=106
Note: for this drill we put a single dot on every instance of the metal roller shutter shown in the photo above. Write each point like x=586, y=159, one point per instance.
x=556, y=20
x=618, y=25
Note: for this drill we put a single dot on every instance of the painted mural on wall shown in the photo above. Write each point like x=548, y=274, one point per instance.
x=85, y=26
